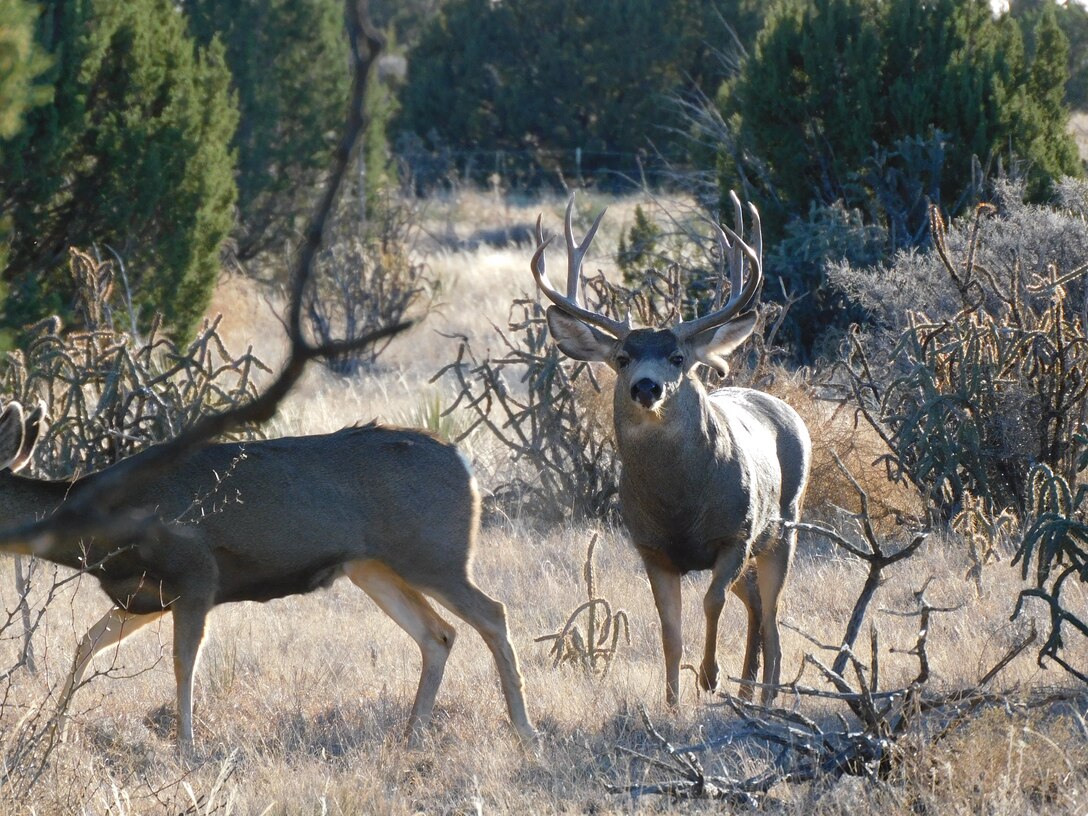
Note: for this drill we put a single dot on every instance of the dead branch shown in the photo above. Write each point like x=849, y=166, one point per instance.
x=803, y=749
x=875, y=556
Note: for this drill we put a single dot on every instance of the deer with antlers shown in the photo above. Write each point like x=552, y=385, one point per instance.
x=394, y=510
x=708, y=479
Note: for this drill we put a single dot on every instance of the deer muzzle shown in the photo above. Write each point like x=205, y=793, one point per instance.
x=646, y=392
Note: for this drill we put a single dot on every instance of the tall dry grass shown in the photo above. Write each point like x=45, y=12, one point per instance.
x=301, y=701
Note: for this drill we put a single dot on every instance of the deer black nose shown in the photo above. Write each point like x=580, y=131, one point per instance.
x=646, y=392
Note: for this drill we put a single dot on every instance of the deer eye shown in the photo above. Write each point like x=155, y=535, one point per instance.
x=622, y=359
x=677, y=359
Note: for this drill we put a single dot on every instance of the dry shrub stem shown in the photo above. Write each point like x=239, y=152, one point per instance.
x=594, y=649
x=806, y=751
x=563, y=461
x=875, y=556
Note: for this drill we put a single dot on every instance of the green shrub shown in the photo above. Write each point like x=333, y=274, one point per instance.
x=287, y=59
x=981, y=379
x=887, y=107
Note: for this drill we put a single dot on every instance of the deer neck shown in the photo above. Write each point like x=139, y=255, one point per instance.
x=670, y=484
x=23, y=499
x=682, y=437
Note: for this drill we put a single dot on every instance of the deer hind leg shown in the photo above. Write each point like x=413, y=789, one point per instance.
x=771, y=570
x=410, y=610
x=189, y=626
x=111, y=629
x=727, y=568
x=488, y=617
x=747, y=589
x=665, y=585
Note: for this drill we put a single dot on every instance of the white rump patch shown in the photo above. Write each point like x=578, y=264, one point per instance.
x=468, y=469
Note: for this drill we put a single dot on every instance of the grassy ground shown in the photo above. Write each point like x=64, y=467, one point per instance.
x=301, y=702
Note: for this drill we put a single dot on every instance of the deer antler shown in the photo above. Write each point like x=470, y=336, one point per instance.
x=742, y=294
x=575, y=254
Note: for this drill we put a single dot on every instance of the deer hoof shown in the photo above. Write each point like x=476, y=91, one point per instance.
x=708, y=677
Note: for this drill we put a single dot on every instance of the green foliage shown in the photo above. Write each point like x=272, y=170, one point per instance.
x=288, y=61
x=376, y=154
x=133, y=153
x=638, y=249
x=596, y=77
x=858, y=73
x=1072, y=18
x=404, y=19
x=883, y=106
x=22, y=61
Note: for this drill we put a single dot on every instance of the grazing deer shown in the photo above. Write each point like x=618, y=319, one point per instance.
x=708, y=478
x=394, y=510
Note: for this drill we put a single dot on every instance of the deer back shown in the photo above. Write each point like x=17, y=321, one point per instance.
x=264, y=519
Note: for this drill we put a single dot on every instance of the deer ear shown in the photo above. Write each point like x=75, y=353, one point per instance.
x=578, y=340
x=33, y=426
x=713, y=347
x=11, y=435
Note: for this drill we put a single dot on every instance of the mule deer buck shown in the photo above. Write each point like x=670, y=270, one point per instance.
x=708, y=478
x=394, y=510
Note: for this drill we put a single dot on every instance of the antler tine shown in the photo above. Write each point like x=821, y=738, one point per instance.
x=541, y=244
x=569, y=304
x=742, y=293
x=576, y=252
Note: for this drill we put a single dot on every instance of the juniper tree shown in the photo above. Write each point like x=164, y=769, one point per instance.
x=133, y=154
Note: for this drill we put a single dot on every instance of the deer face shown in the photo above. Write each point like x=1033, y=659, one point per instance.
x=653, y=365
x=650, y=364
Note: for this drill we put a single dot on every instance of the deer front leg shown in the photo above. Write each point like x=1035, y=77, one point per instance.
x=111, y=629
x=189, y=621
x=727, y=569
x=665, y=584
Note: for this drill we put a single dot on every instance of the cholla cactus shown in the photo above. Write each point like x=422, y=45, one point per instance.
x=593, y=648
x=110, y=393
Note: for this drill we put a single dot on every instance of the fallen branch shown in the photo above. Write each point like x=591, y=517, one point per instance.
x=804, y=749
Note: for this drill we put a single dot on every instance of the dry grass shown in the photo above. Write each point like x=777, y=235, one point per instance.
x=301, y=701
x=838, y=433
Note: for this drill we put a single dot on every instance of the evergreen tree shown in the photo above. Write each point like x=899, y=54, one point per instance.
x=288, y=59
x=532, y=77
x=1072, y=18
x=21, y=63
x=877, y=105
x=133, y=153
x=1043, y=125
x=832, y=81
